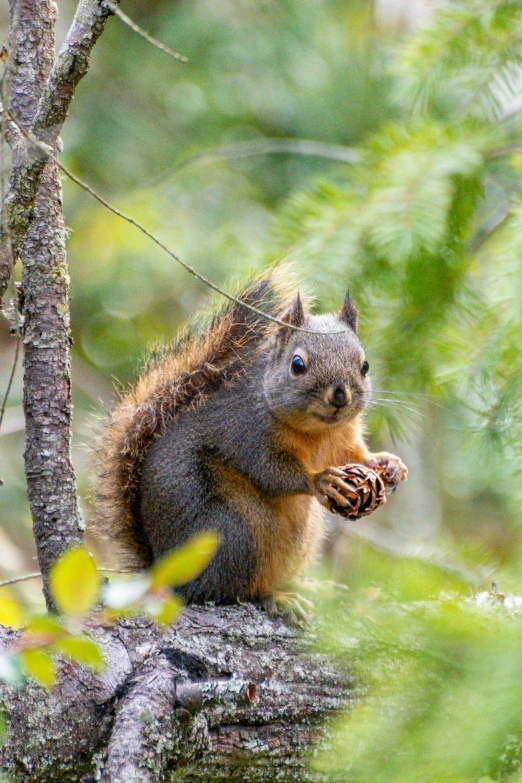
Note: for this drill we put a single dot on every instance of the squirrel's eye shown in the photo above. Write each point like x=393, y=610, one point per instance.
x=298, y=366
x=365, y=367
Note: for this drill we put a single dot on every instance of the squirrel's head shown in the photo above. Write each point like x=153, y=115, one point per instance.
x=317, y=379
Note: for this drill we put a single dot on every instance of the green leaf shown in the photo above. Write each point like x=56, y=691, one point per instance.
x=184, y=564
x=39, y=665
x=171, y=610
x=75, y=582
x=165, y=612
x=45, y=626
x=11, y=613
x=82, y=650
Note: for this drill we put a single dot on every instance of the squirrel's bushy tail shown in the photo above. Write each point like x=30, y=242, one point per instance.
x=203, y=359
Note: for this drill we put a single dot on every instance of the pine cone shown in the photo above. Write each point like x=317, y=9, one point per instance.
x=366, y=492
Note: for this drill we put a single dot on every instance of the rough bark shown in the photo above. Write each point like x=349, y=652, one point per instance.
x=51, y=483
x=41, y=92
x=226, y=695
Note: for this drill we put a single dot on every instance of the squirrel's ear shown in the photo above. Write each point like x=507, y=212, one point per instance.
x=348, y=312
x=294, y=317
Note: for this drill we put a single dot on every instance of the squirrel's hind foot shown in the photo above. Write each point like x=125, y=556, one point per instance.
x=292, y=607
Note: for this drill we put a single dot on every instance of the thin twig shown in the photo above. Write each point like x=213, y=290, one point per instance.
x=46, y=149
x=503, y=152
x=37, y=574
x=20, y=579
x=133, y=26
x=3, y=83
x=10, y=382
x=250, y=149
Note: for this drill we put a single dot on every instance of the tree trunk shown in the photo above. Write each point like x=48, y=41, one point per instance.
x=228, y=694
x=40, y=92
x=38, y=103
x=51, y=484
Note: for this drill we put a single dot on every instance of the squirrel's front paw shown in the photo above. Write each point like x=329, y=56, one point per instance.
x=331, y=484
x=391, y=468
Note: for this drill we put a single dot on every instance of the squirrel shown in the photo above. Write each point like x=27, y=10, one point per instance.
x=238, y=428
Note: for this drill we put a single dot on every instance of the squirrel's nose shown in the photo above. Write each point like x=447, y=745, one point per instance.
x=339, y=398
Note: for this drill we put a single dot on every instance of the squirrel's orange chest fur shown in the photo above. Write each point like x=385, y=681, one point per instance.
x=286, y=530
x=318, y=449
x=293, y=537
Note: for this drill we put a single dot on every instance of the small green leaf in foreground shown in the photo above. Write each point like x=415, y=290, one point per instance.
x=164, y=611
x=75, y=582
x=82, y=650
x=39, y=665
x=184, y=564
x=46, y=627
x=11, y=613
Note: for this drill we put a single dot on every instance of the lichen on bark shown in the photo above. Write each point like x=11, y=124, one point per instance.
x=133, y=721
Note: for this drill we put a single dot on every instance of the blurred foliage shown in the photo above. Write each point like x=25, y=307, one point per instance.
x=76, y=588
x=437, y=679
x=426, y=227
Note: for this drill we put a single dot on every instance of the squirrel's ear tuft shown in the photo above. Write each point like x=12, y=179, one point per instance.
x=296, y=315
x=348, y=312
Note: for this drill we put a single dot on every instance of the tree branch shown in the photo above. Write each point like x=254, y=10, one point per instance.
x=226, y=695
x=41, y=104
x=41, y=90
x=146, y=37
x=49, y=153
x=154, y=695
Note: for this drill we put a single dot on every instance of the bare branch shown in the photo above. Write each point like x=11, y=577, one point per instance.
x=43, y=111
x=71, y=65
x=156, y=691
x=212, y=693
x=151, y=693
x=133, y=26
x=17, y=579
x=249, y=149
x=41, y=89
x=45, y=150
x=10, y=381
x=26, y=577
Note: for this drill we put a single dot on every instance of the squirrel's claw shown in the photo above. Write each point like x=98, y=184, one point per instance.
x=293, y=608
x=391, y=468
x=331, y=484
